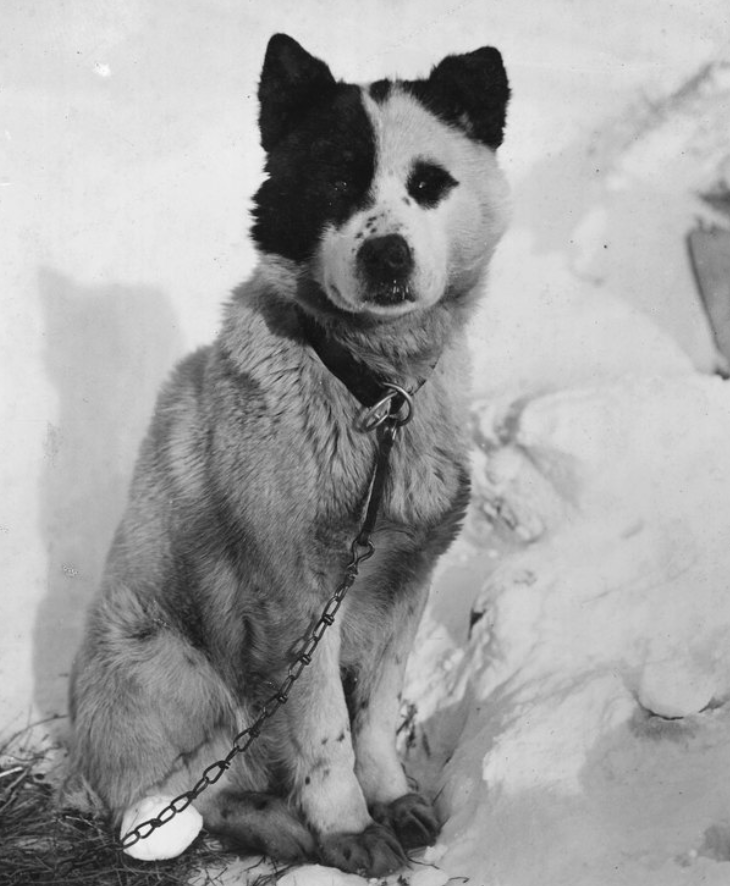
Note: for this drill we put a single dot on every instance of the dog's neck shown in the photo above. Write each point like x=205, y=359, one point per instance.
x=403, y=349
x=353, y=368
x=365, y=353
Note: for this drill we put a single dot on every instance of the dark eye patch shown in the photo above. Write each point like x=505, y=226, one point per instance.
x=318, y=174
x=429, y=183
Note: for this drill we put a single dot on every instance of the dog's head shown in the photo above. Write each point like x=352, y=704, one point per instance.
x=382, y=199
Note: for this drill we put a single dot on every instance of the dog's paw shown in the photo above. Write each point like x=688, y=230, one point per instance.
x=294, y=845
x=251, y=821
x=274, y=831
x=411, y=818
x=375, y=852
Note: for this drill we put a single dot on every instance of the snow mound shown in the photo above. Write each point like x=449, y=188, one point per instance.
x=598, y=283
x=542, y=329
x=592, y=685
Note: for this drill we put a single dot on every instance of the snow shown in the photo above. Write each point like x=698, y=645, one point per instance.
x=569, y=689
x=613, y=619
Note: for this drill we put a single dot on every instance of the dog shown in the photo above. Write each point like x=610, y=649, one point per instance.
x=380, y=210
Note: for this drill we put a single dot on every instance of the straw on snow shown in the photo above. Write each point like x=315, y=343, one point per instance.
x=50, y=837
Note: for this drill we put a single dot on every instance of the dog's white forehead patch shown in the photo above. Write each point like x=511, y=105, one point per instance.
x=406, y=132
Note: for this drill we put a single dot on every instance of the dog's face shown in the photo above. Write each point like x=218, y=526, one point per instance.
x=383, y=199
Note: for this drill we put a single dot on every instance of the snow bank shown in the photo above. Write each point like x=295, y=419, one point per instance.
x=592, y=684
x=613, y=294
x=541, y=329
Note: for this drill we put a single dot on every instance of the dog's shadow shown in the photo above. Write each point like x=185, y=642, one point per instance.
x=107, y=349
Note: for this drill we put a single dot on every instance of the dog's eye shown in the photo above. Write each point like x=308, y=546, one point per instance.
x=341, y=186
x=429, y=183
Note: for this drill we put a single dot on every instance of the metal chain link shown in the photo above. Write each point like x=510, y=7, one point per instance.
x=398, y=404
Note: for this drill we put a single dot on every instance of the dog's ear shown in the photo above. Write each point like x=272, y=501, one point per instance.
x=471, y=91
x=291, y=81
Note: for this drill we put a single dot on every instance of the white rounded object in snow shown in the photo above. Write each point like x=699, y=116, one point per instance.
x=167, y=841
x=674, y=688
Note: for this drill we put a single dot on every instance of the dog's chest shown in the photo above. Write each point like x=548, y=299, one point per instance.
x=425, y=475
x=425, y=481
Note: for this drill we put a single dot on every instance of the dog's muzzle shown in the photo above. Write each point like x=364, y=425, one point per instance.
x=385, y=265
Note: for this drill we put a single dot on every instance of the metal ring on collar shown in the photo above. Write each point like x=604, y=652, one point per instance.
x=383, y=410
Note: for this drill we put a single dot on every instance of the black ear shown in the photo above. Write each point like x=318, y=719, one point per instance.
x=291, y=81
x=471, y=91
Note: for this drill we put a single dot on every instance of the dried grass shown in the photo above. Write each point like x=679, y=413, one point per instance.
x=48, y=836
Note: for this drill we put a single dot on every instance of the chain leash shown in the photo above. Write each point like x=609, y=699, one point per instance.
x=394, y=410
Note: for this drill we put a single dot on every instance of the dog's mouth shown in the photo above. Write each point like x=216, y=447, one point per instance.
x=391, y=293
x=386, y=300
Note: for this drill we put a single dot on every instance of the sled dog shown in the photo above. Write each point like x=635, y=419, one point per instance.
x=380, y=210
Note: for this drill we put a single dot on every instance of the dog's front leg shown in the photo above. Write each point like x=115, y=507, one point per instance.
x=329, y=794
x=376, y=706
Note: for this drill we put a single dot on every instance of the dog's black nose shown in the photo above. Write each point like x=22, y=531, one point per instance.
x=386, y=259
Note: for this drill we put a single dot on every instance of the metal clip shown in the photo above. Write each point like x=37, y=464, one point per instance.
x=397, y=405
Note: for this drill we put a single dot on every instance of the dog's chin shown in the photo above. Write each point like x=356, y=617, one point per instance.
x=385, y=301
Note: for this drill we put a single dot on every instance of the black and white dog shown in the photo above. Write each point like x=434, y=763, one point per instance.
x=380, y=211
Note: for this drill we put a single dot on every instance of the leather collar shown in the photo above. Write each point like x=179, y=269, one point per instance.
x=361, y=381
x=366, y=385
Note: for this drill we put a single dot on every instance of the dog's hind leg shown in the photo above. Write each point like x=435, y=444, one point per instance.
x=256, y=821
x=237, y=808
x=150, y=714
x=147, y=706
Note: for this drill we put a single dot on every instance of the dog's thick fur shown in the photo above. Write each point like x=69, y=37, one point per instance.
x=250, y=485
